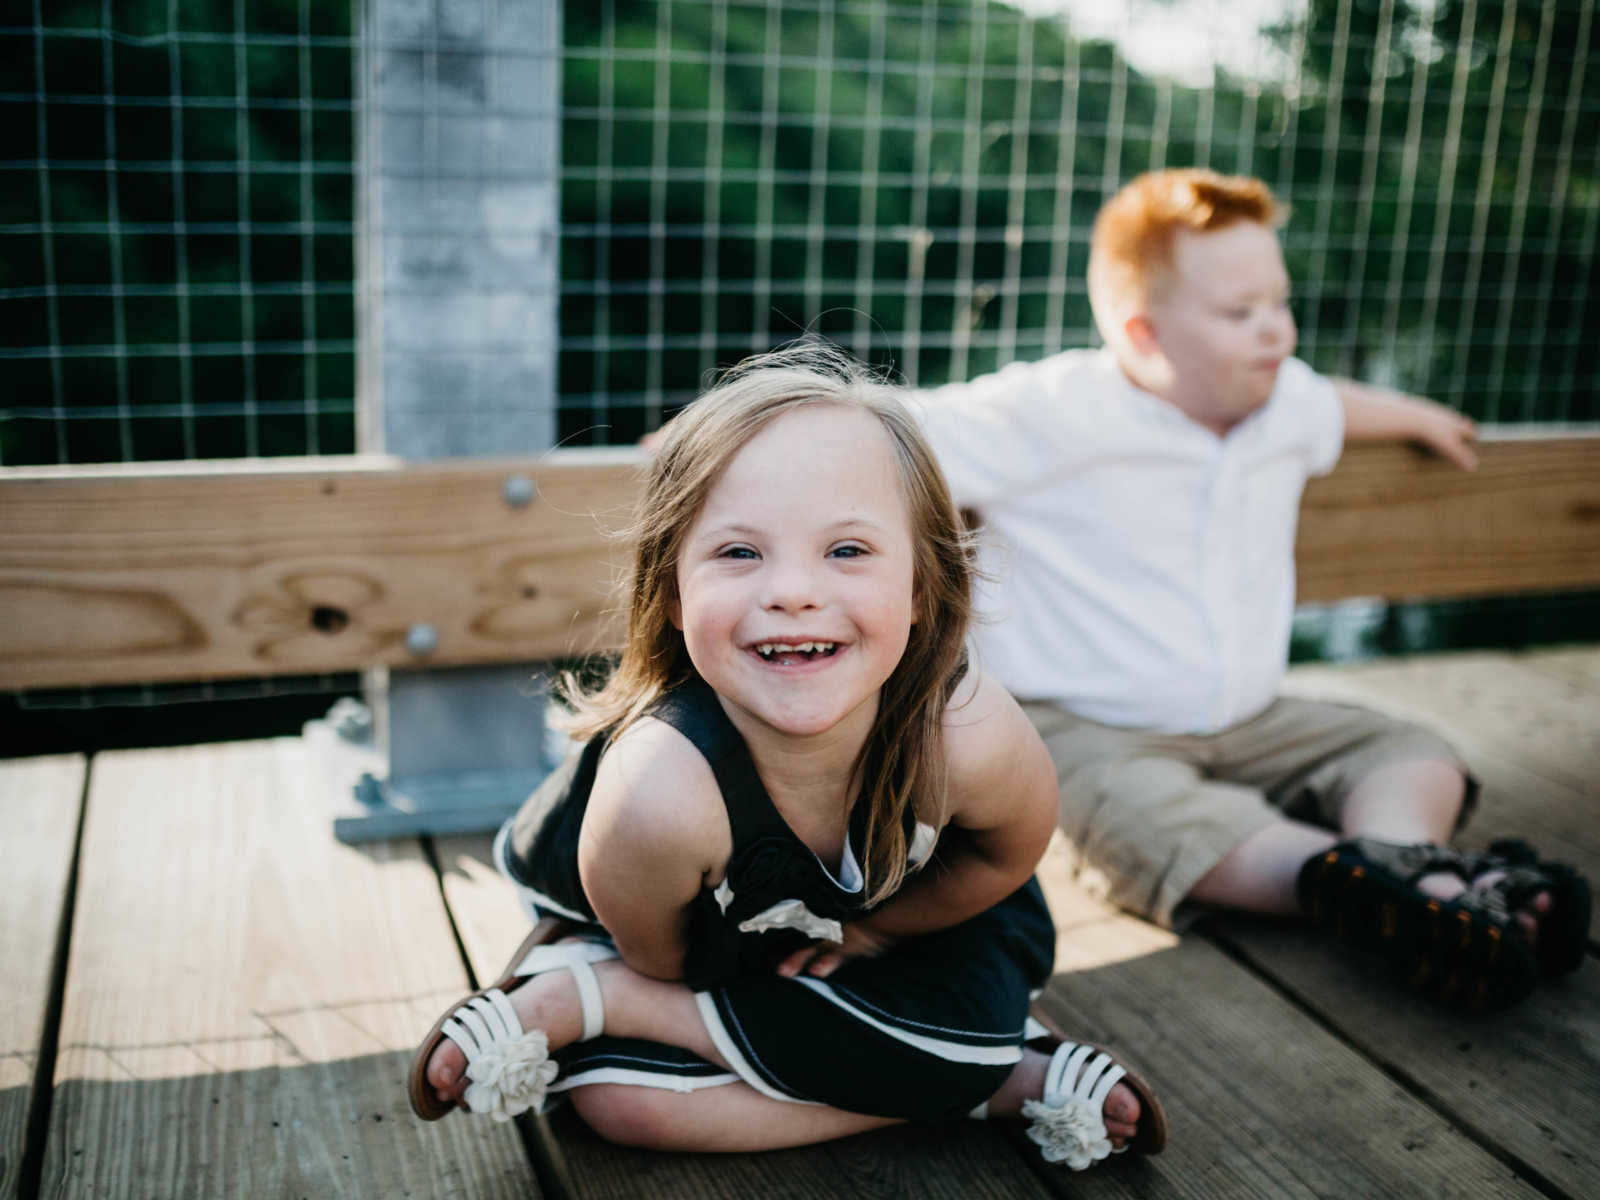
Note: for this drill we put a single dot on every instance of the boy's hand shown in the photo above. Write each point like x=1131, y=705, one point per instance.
x=1449, y=434
x=824, y=958
x=1382, y=413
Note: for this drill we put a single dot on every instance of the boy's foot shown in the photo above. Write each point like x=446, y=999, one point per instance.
x=1550, y=901
x=1472, y=931
x=1447, y=885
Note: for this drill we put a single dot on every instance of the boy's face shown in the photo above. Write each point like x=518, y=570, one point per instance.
x=1222, y=323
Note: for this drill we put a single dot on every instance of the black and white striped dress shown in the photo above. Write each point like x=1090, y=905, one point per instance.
x=928, y=1030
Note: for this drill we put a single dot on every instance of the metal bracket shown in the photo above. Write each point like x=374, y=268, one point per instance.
x=384, y=793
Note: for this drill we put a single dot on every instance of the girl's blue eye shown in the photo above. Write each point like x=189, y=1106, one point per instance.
x=848, y=551
x=738, y=552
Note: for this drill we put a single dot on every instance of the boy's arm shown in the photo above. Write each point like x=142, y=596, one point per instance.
x=1377, y=413
x=654, y=828
x=1003, y=809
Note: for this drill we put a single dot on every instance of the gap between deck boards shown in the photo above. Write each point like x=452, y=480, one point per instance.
x=539, y=1142
x=41, y=1091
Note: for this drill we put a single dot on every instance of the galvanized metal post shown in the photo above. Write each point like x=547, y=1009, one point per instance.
x=458, y=212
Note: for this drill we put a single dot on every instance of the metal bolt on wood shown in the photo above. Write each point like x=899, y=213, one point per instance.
x=519, y=491
x=422, y=639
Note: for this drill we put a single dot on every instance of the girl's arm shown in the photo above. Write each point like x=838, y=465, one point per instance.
x=1376, y=413
x=1002, y=812
x=654, y=831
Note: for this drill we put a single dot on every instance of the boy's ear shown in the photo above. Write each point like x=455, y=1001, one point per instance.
x=1141, y=334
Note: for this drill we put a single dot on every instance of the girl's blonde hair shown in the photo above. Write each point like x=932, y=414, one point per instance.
x=901, y=767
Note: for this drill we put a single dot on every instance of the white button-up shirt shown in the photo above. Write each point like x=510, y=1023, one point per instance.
x=1139, y=570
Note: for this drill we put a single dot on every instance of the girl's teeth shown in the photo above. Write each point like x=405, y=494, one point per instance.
x=772, y=649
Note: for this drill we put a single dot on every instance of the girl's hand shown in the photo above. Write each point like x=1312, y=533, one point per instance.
x=824, y=958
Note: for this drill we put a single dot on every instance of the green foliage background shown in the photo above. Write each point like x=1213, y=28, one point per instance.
x=176, y=280
x=915, y=180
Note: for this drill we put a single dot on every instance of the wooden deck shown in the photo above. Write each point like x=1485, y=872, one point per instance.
x=206, y=995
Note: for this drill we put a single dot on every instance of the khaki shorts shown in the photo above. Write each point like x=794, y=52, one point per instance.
x=1150, y=813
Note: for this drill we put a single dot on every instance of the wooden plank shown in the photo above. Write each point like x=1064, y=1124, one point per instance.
x=945, y=1162
x=1389, y=522
x=39, y=803
x=1510, y=722
x=1263, y=1100
x=1526, y=1082
x=244, y=994
x=1577, y=665
x=971, y=1160
x=164, y=572
x=172, y=571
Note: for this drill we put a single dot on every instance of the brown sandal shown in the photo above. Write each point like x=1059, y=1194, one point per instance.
x=1466, y=953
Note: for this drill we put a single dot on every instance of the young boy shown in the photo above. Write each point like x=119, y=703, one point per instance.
x=1138, y=508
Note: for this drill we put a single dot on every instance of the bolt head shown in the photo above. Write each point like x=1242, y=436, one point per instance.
x=422, y=639
x=519, y=491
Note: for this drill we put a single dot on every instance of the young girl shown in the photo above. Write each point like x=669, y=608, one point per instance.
x=783, y=893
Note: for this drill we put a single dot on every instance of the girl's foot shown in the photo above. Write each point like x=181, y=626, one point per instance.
x=1081, y=1104
x=491, y=1051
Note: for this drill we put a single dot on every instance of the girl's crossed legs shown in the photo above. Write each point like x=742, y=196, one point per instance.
x=731, y=1117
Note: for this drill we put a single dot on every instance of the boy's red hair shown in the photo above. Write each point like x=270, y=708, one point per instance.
x=1130, y=251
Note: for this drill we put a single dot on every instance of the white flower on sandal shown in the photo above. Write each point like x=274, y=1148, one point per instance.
x=510, y=1076
x=1071, y=1131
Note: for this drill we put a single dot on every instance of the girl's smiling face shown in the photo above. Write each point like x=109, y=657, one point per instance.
x=796, y=591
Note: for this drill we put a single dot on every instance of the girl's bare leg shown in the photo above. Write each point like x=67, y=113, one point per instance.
x=726, y=1118
x=736, y=1117
x=733, y=1117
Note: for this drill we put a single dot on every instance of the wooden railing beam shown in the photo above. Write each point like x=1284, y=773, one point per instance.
x=166, y=571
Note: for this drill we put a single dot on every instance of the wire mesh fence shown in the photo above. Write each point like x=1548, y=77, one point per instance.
x=914, y=179
x=176, y=220
x=917, y=181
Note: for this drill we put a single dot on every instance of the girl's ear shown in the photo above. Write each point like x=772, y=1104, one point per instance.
x=675, y=611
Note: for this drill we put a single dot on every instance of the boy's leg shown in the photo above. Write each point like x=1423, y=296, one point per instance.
x=1260, y=874
x=1367, y=774
x=1421, y=801
x=1143, y=812
x=1402, y=802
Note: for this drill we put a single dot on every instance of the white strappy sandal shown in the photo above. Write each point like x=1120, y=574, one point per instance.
x=1067, y=1122
x=509, y=1068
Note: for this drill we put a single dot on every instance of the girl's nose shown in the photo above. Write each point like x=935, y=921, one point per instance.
x=789, y=586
